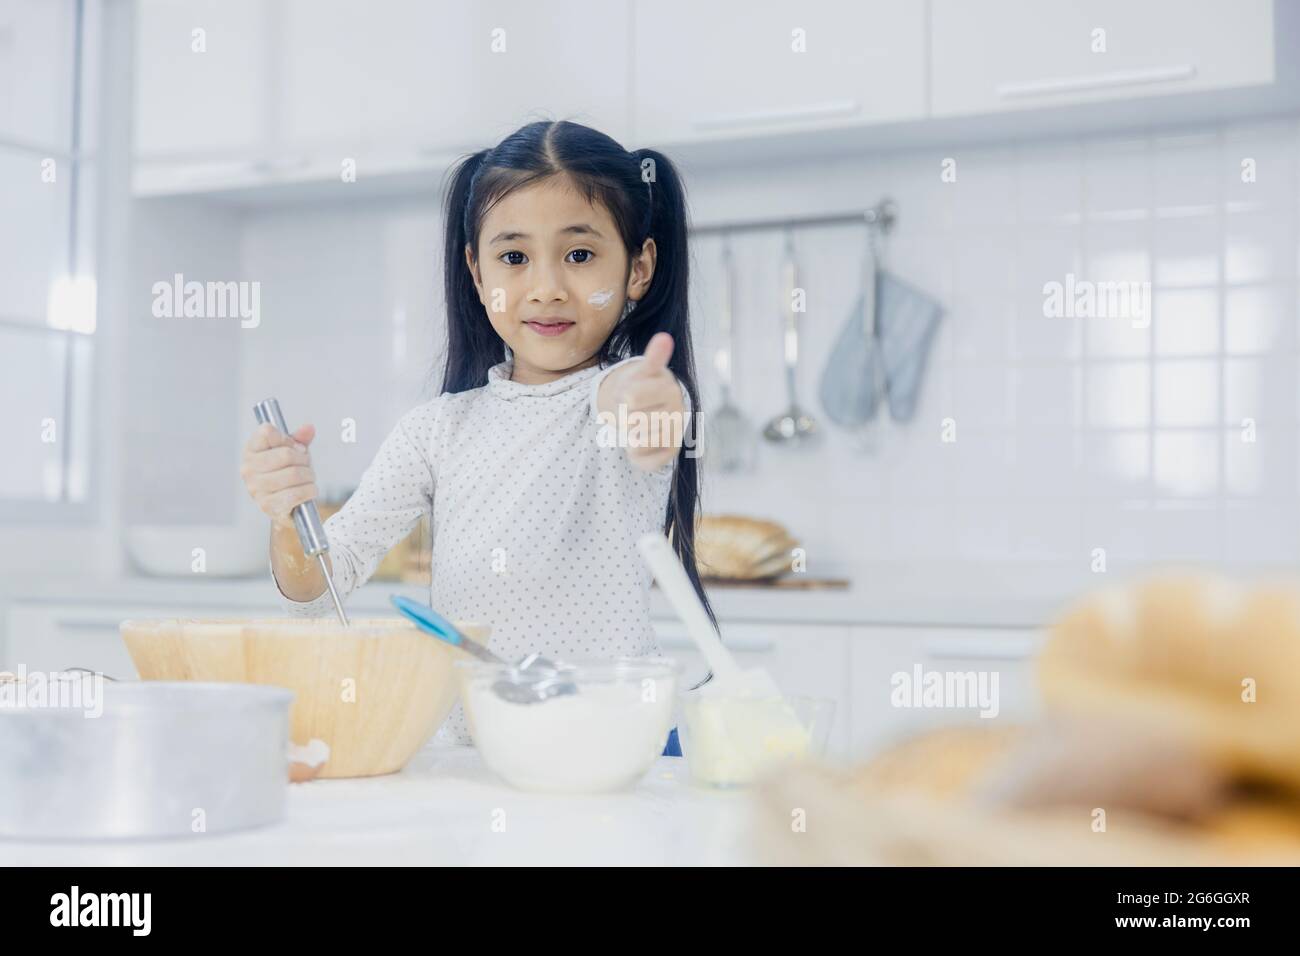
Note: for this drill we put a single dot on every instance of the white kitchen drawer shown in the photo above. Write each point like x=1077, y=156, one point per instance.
x=999, y=55
x=877, y=654
x=805, y=660
x=43, y=637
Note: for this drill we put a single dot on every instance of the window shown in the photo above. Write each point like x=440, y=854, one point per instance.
x=47, y=262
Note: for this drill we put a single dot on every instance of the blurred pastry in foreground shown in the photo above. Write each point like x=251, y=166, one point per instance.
x=971, y=796
x=1193, y=657
x=1172, y=737
x=1100, y=763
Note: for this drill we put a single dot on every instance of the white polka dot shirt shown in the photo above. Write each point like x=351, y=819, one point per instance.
x=535, y=521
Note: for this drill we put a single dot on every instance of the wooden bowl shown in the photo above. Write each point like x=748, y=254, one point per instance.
x=374, y=692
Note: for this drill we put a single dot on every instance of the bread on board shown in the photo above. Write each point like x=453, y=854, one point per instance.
x=735, y=547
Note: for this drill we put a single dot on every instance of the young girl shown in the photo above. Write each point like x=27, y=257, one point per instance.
x=566, y=288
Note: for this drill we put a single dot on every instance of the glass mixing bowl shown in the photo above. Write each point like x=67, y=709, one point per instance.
x=604, y=737
x=730, y=741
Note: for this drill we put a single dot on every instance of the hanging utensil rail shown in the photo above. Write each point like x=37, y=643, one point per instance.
x=883, y=216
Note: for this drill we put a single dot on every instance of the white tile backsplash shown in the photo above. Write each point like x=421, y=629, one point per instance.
x=1186, y=464
x=1186, y=169
x=1186, y=392
x=1261, y=388
x=1187, y=251
x=1073, y=433
x=1186, y=321
x=350, y=297
x=1114, y=465
x=1117, y=178
x=1259, y=247
x=1260, y=319
x=1118, y=394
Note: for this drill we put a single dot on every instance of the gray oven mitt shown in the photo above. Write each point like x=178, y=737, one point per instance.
x=853, y=379
x=906, y=320
x=861, y=367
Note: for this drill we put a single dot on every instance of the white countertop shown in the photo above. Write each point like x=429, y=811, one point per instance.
x=952, y=595
x=447, y=808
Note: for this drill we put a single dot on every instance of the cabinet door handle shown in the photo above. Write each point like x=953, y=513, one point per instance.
x=88, y=624
x=1095, y=81
x=279, y=165
x=748, y=645
x=777, y=116
x=974, y=648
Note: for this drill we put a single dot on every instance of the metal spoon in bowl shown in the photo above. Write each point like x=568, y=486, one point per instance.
x=793, y=426
x=533, y=680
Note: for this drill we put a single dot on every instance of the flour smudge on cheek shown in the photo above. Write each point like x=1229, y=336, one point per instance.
x=600, y=298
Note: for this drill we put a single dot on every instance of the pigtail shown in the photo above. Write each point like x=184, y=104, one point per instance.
x=666, y=308
x=472, y=346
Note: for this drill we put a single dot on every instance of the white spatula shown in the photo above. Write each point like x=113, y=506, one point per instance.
x=728, y=678
x=743, y=721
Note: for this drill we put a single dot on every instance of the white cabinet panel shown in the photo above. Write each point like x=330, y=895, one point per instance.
x=546, y=61
x=37, y=47
x=53, y=637
x=805, y=660
x=998, y=55
x=366, y=78
x=706, y=71
x=205, y=104
x=884, y=659
x=49, y=639
x=853, y=666
x=288, y=89
x=30, y=391
x=33, y=236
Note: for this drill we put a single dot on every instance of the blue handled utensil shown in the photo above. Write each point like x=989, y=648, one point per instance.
x=431, y=621
x=531, y=681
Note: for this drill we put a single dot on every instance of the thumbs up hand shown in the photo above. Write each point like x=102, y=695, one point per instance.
x=643, y=400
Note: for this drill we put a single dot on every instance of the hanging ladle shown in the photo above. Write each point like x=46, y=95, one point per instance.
x=732, y=433
x=793, y=426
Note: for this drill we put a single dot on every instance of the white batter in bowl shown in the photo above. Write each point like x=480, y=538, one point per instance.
x=604, y=737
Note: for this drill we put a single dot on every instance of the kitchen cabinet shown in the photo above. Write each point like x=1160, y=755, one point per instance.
x=362, y=80
x=287, y=90
x=53, y=637
x=551, y=66
x=1003, y=55
x=201, y=114
x=878, y=653
x=851, y=664
x=721, y=70
x=201, y=72
x=36, y=71
x=806, y=660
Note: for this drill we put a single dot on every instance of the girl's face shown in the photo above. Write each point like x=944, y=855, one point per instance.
x=553, y=276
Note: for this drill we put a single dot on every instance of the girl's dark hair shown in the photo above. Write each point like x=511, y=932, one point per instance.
x=644, y=194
